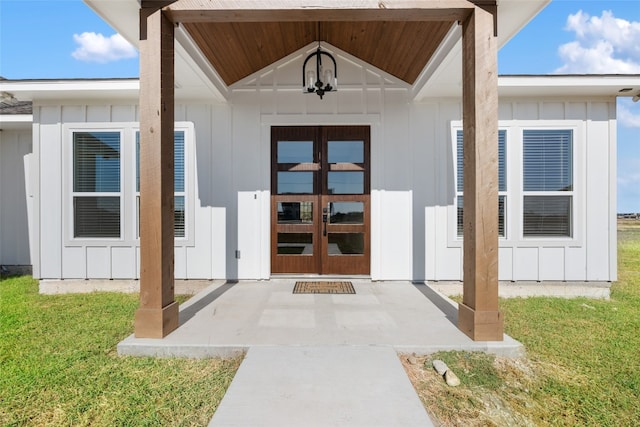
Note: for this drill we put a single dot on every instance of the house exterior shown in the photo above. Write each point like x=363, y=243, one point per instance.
x=255, y=178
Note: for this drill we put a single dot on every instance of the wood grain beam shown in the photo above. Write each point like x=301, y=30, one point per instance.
x=157, y=315
x=317, y=10
x=478, y=314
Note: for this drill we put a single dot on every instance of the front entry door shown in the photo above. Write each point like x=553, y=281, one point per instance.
x=320, y=203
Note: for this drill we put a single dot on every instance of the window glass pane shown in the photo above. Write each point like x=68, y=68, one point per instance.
x=346, y=213
x=547, y=216
x=501, y=215
x=502, y=160
x=346, y=244
x=460, y=216
x=295, y=212
x=460, y=161
x=178, y=217
x=96, y=162
x=178, y=165
x=295, y=152
x=295, y=244
x=345, y=182
x=295, y=183
x=548, y=160
x=178, y=155
x=96, y=217
x=345, y=152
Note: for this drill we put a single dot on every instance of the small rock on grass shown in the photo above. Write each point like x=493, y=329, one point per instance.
x=412, y=360
x=440, y=366
x=451, y=378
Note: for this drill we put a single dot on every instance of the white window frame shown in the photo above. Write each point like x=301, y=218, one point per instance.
x=128, y=193
x=573, y=223
x=455, y=238
x=189, y=184
x=68, y=199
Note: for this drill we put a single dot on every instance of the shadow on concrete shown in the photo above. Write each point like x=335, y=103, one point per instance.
x=450, y=311
x=187, y=313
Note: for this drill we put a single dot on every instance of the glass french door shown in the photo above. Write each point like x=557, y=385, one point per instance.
x=320, y=204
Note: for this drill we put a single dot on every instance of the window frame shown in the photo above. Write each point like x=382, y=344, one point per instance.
x=68, y=210
x=128, y=194
x=572, y=194
x=187, y=182
x=459, y=191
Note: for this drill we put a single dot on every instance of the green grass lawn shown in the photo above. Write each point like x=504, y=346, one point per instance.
x=59, y=366
x=591, y=346
x=582, y=369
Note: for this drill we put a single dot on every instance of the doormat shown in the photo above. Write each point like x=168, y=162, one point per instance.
x=323, y=288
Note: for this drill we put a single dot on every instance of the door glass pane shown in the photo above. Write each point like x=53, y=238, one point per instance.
x=345, y=183
x=295, y=182
x=295, y=244
x=346, y=152
x=295, y=151
x=346, y=243
x=295, y=212
x=346, y=213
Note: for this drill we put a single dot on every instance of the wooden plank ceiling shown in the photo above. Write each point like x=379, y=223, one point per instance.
x=239, y=49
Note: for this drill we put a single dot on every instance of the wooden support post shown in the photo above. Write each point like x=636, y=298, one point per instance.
x=157, y=315
x=478, y=314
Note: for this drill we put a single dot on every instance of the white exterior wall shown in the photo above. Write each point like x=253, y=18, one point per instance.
x=589, y=255
x=413, y=217
x=15, y=200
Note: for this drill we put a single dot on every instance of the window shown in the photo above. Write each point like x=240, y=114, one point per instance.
x=178, y=182
x=96, y=184
x=547, y=183
x=502, y=181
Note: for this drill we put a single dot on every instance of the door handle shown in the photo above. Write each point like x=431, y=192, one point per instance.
x=325, y=219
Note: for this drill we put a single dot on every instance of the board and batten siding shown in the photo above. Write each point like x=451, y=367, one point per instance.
x=202, y=255
x=413, y=216
x=15, y=197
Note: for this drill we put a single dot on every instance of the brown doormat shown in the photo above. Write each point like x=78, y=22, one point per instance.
x=323, y=288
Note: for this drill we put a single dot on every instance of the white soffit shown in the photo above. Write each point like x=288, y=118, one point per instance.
x=86, y=90
x=556, y=85
x=15, y=121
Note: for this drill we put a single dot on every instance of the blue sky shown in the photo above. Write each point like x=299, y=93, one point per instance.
x=66, y=39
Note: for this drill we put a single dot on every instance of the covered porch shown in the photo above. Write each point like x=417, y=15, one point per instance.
x=229, y=28
x=228, y=318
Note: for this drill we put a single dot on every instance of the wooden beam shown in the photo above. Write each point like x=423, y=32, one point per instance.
x=478, y=314
x=157, y=315
x=318, y=10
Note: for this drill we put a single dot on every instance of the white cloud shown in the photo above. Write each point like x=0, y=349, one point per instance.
x=94, y=47
x=603, y=45
x=629, y=118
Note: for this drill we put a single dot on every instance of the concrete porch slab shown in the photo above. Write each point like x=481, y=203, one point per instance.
x=229, y=318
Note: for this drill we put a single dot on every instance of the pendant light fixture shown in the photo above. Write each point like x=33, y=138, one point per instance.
x=322, y=79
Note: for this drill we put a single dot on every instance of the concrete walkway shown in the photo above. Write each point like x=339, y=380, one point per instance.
x=321, y=386
x=317, y=360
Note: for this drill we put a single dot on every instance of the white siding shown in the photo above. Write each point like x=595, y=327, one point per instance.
x=413, y=218
x=15, y=149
